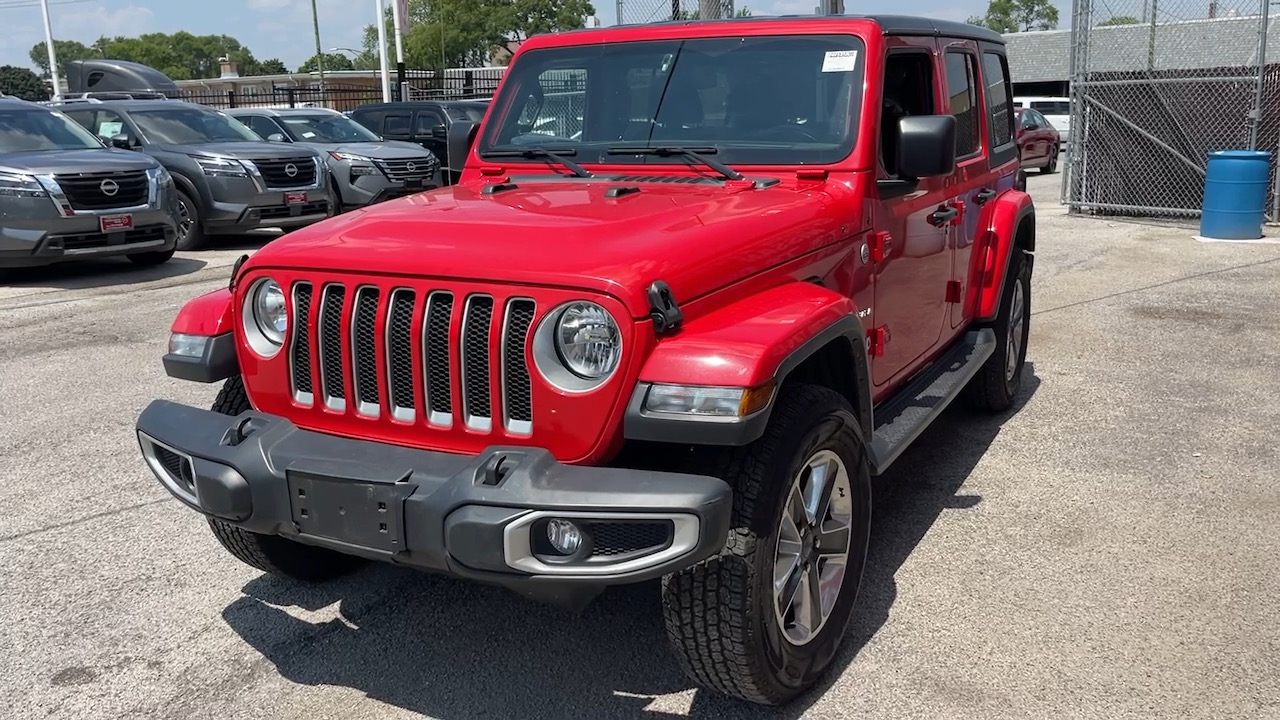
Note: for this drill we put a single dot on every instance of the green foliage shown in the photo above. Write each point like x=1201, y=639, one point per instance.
x=180, y=55
x=22, y=83
x=693, y=14
x=1010, y=16
x=456, y=33
x=1119, y=20
x=332, y=61
x=272, y=66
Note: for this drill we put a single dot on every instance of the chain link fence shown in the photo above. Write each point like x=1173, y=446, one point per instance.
x=1156, y=85
x=646, y=11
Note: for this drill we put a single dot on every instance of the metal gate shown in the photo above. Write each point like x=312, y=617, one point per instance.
x=1156, y=85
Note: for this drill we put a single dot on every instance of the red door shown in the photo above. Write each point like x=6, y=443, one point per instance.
x=911, y=277
x=970, y=183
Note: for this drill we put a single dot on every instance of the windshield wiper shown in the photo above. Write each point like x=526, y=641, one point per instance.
x=540, y=152
x=698, y=154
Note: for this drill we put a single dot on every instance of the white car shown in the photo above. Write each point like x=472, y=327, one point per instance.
x=1057, y=110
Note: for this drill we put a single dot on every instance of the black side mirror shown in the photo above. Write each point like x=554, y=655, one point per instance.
x=926, y=146
x=121, y=141
x=277, y=137
x=460, y=136
x=440, y=132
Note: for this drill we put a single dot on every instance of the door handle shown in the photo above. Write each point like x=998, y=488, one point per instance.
x=984, y=195
x=943, y=215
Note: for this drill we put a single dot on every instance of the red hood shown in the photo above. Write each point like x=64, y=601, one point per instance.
x=568, y=233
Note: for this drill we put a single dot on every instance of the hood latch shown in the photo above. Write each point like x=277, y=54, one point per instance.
x=663, y=308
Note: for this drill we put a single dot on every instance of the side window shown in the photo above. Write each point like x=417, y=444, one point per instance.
x=962, y=87
x=908, y=90
x=82, y=117
x=261, y=125
x=559, y=106
x=396, y=126
x=996, y=73
x=428, y=120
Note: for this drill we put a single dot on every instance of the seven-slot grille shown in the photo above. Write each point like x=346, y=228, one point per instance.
x=276, y=172
x=422, y=337
x=409, y=168
x=105, y=190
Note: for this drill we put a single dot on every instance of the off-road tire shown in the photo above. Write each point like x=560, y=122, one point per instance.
x=992, y=390
x=719, y=614
x=150, y=259
x=271, y=553
x=195, y=238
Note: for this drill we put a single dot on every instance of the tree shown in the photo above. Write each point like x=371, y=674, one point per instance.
x=22, y=83
x=1119, y=20
x=1010, y=16
x=181, y=55
x=332, y=61
x=67, y=50
x=273, y=66
x=462, y=33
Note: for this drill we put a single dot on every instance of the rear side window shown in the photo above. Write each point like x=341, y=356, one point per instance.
x=996, y=74
x=1052, y=107
x=396, y=126
x=962, y=87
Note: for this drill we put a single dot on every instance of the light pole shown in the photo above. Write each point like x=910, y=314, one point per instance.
x=315, y=22
x=382, y=50
x=48, y=41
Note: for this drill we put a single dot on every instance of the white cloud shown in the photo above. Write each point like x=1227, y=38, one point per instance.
x=87, y=24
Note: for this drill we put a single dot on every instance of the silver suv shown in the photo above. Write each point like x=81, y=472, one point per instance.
x=229, y=180
x=365, y=168
x=65, y=196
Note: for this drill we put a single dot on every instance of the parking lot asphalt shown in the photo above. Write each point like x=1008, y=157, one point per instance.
x=1107, y=550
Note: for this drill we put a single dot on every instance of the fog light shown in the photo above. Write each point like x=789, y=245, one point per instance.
x=564, y=536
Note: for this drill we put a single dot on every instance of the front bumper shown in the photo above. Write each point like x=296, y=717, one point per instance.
x=34, y=243
x=363, y=190
x=479, y=517
x=267, y=210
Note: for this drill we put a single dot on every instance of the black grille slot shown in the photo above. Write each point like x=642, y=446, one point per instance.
x=475, y=357
x=436, y=352
x=178, y=466
x=302, y=338
x=331, y=342
x=400, y=349
x=276, y=172
x=101, y=240
x=276, y=212
x=419, y=168
x=103, y=191
x=518, y=388
x=622, y=538
x=364, y=348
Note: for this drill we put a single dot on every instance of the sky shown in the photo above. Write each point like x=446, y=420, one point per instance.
x=282, y=28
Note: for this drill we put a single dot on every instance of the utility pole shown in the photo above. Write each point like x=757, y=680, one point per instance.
x=382, y=50
x=48, y=41
x=399, y=8
x=324, y=87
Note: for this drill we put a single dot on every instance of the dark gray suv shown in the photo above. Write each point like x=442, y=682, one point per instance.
x=365, y=168
x=65, y=196
x=229, y=180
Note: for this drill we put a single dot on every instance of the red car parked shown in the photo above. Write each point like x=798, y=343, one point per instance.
x=698, y=283
x=1038, y=141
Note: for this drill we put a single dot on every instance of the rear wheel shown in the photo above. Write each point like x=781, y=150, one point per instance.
x=1052, y=165
x=997, y=383
x=190, y=235
x=271, y=553
x=762, y=621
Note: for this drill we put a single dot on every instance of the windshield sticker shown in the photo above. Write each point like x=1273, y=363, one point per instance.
x=308, y=134
x=840, y=61
x=109, y=129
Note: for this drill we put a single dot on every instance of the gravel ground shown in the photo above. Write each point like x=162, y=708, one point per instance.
x=1108, y=550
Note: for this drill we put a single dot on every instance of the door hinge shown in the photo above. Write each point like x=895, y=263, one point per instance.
x=879, y=244
x=878, y=337
x=954, y=290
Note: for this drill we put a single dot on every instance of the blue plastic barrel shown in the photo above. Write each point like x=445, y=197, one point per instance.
x=1235, y=194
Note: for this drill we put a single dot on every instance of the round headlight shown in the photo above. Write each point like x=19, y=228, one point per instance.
x=269, y=311
x=588, y=340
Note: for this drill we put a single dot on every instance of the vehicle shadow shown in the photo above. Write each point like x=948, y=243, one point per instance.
x=106, y=272
x=452, y=649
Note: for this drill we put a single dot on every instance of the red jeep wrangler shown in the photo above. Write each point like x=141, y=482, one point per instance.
x=698, y=283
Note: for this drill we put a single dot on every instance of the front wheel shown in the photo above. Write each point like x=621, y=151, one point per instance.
x=190, y=233
x=762, y=620
x=273, y=554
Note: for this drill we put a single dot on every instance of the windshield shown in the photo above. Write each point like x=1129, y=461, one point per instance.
x=755, y=100
x=190, y=126
x=28, y=130
x=326, y=129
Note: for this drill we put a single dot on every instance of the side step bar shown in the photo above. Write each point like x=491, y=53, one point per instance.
x=901, y=419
